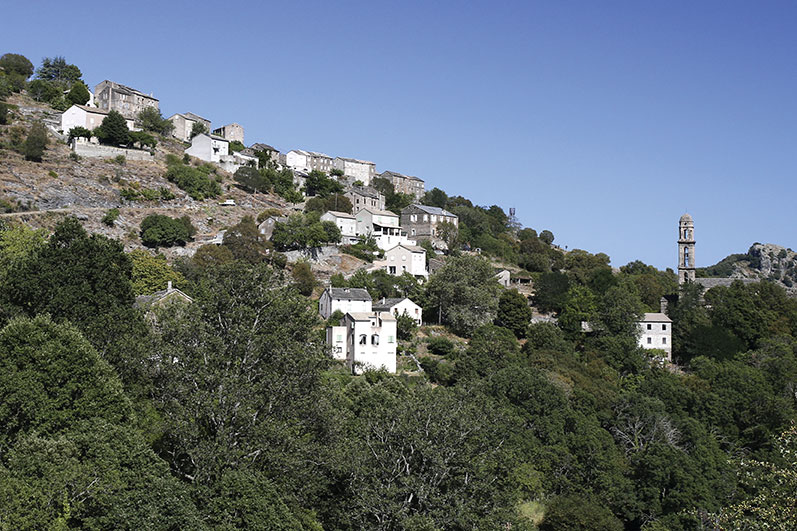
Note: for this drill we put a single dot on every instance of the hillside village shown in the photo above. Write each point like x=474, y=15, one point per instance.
x=281, y=330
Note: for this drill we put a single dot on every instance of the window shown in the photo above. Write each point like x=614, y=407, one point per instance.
x=413, y=232
x=426, y=217
x=649, y=326
x=650, y=340
x=340, y=337
x=664, y=327
x=363, y=339
x=664, y=341
x=375, y=339
x=390, y=339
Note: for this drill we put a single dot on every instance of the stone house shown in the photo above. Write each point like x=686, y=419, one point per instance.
x=404, y=258
x=656, y=332
x=163, y=297
x=422, y=222
x=184, y=124
x=307, y=161
x=268, y=150
x=266, y=227
x=111, y=96
x=344, y=299
x=365, y=197
x=210, y=148
x=369, y=341
x=405, y=184
x=358, y=170
x=346, y=223
x=88, y=117
x=400, y=306
x=230, y=132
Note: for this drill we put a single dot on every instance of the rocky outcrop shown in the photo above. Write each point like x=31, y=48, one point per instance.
x=763, y=261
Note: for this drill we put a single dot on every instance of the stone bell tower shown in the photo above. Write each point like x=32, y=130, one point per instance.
x=686, y=249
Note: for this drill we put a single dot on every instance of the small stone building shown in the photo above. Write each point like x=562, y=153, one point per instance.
x=111, y=96
x=230, y=132
x=358, y=170
x=184, y=124
x=405, y=184
x=423, y=222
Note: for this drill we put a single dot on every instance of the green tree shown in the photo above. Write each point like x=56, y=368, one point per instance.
x=78, y=94
x=335, y=202
x=251, y=180
x=198, y=128
x=113, y=129
x=158, y=230
x=44, y=91
x=317, y=183
x=16, y=64
x=245, y=242
x=406, y=327
x=463, y=294
x=79, y=132
x=303, y=278
x=514, y=312
x=57, y=70
x=302, y=231
x=35, y=143
x=550, y=291
x=152, y=273
x=546, y=237
x=150, y=119
x=578, y=513
x=435, y=197
x=195, y=181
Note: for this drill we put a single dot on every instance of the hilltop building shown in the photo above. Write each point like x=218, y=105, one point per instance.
x=344, y=299
x=365, y=197
x=656, y=332
x=307, y=161
x=366, y=340
x=358, y=170
x=405, y=184
x=111, y=96
x=184, y=124
x=423, y=222
x=88, y=117
x=231, y=132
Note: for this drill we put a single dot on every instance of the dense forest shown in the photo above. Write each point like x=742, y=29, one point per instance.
x=228, y=413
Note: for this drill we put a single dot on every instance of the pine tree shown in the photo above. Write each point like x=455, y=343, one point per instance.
x=114, y=129
x=34, y=145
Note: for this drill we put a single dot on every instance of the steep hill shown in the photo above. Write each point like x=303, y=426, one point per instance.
x=763, y=261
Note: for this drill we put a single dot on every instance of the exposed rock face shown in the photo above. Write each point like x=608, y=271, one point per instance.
x=763, y=261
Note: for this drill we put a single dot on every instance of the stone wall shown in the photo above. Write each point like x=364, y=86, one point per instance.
x=87, y=149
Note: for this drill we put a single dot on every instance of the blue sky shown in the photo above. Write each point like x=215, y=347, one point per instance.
x=600, y=121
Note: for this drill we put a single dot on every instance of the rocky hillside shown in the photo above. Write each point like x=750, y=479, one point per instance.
x=763, y=261
x=40, y=194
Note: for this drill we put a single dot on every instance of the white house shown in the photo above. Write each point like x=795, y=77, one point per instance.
x=88, y=117
x=504, y=277
x=383, y=226
x=359, y=170
x=346, y=223
x=370, y=341
x=399, y=306
x=656, y=332
x=404, y=259
x=344, y=299
x=336, y=338
x=210, y=148
x=307, y=161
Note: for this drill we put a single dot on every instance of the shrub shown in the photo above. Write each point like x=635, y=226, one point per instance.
x=440, y=346
x=166, y=194
x=120, y=160
x=52, y=174
x=303, y=278
x=3, y=114
x=44, y=91
x=194, y=181
x=34, y=145
x=78, y=94
x=113, y=129
x=74, y=156
x=110, y=217
x=158, y=230
x=236, y=145
x=79, y=132
x=150, y=119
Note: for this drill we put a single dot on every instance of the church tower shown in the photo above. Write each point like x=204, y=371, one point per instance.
x=686, y=249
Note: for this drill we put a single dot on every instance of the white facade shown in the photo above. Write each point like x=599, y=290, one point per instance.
x=405, y=259
x=359, y=170
x=307, y=161
x=88, y=117
x=656, y=332
x=371, y=341
x=504, y=277
x=345, y=222
x=346, y=300
x=208, y=148
x=336, y=338
x=398, y=307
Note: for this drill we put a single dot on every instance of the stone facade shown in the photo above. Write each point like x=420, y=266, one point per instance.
x=184, y=124
x=686, y=249
x=365, y=197
x=405, y=184
x=422, y=222
x=307, y=161
x=110, y=96
x=230, y=132
x=88, y=149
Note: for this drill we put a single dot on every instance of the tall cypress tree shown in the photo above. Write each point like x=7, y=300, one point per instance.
x=114, y=129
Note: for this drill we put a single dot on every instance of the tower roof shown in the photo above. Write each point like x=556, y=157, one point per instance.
x=686, y=218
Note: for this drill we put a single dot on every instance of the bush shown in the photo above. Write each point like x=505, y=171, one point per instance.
x=158, y=230
x=440, y=346
x=79, y=132
x=236, y=145
x=113, y=130
x=142, y=139
x=150, y=119
x=52, y=174
x=34, y=145
x=17, y=64
x=110, y=217
x=78, y=94
x=120, y=160
x=74, y=156
x=194, y=181
x=44, y=91
x=3, y=114
x=303, y=278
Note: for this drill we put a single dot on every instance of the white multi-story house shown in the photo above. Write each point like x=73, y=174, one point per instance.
x=184, y=124
x=358, y=170
x=370, y=341
x=88, y=117
x=656, y=332
x=402, y=259
x=307, y=161
x=344, y=299
x=382, y=226
x=399, y=306
x=336, y=338
x=346, y=223
x=365, y=197
x=210, y=148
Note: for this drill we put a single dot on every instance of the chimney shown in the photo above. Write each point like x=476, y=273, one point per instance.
x=169, y=286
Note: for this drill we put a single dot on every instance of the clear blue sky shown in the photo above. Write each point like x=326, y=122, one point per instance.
x=601, y=121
